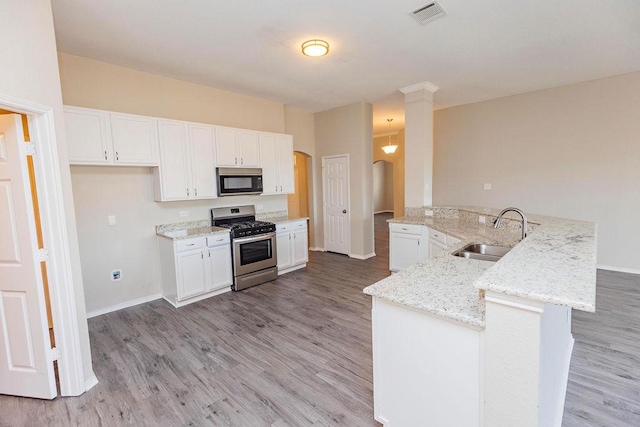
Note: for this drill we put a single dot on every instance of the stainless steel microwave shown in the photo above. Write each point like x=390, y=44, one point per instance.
x=238, y=181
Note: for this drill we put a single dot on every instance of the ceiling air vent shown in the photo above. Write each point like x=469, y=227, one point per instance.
x=428, y=12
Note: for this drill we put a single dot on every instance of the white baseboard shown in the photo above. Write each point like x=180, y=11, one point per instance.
x=363, y=257
x=619, y=269
x=90, y=382
x=122, y=305
x=315, y=249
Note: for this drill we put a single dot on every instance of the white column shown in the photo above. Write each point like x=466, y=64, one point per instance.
x=418, y=106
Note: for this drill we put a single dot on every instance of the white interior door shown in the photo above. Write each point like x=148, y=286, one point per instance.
x=337, y=233
x=25, y=368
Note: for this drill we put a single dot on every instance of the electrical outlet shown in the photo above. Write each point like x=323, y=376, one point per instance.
x=428, y=212
x=487, y=186
x=184, y=214
x=116, y=275
x=482, y=219
x=111, y=220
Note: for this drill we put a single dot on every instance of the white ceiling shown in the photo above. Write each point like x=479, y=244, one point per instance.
x=480, y=50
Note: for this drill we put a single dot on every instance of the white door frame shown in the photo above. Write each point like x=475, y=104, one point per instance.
x=54, y=233
x=324, y=199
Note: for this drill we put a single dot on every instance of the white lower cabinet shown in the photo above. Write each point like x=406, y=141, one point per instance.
x=292, y=245
x=196, y=268
x=440, y=242
x=408, y=245
x=426, y=370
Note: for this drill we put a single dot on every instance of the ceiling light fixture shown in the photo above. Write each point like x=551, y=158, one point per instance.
x=389, y=149
x=315, y=48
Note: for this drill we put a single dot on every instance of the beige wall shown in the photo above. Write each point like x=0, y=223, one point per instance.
x=128, y=192
x=94, y=84
x=349, y=130
x=29, y=72
x=382, y=186
x=571, y=151
x=397, y=159
x=301, y=124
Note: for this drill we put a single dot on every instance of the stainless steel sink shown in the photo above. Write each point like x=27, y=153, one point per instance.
x=482, y=252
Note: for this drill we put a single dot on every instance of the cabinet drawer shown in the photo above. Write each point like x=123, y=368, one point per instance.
x=218, y=239
x=452, y=241
x=299, y=225
x=406, y=228
x=438, y=236
x=280, y=228
x=189, y=244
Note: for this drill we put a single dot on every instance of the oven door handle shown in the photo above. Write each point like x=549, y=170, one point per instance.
x=255, y=238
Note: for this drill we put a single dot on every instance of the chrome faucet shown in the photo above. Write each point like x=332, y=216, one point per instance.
x=496, y=223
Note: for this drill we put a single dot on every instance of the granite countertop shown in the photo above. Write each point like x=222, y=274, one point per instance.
x=279, y=217
x=283, y=219
x=556, y=264
x=186, y=230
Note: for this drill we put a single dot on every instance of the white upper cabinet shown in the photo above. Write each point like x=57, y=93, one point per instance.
x=203, y=161
x=276, y=157
x=135, y=139
x=175, y=180
x=88, y=135
x=187, y=162
x=237, y=148
x=104, y=138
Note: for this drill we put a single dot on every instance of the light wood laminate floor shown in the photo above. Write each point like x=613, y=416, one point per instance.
x=297, y=352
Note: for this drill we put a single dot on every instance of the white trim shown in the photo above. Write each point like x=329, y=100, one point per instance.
x=91, y=382
x=317, y=249
x=178, y=304
x=292, y=268
x=56, y=240
x=565, y=374
x=419, y=86
x=123, y=305
x=324, y=198
x=619, y=269
x=515, y=302
x=380, y=135
x=362, y=257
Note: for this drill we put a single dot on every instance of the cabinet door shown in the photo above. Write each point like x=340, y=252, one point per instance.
x=88, y=135
x=135, y=139
x=220, y=274
x=404, y=250
x=284, y=153
x=283, y=243
x=226, y=146
x=174, y=160
x=435, y=248
x=300, y=246
x=269, y=162
x=192, y=274
x=203, y=161
x=249, y=148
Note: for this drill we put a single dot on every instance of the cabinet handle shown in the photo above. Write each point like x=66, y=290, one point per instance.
x=196, y=191
x=418, y=242
x=236, y=160
x=117, y=158
x=242, y=160
x=219, y=240
x=404, y=228
x=187, y=192
x=105, y=154
x=276, y=188
x=281, y=188
x=209, y=254
x=289, y=236
x=201, y=255
x=191, y=244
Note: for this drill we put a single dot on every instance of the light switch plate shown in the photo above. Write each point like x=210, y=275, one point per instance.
x=487, y=186
x=184, y=214
x=111, y=220
x=482, y=219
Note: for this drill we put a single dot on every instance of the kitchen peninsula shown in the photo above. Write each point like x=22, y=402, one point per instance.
x=461, y=341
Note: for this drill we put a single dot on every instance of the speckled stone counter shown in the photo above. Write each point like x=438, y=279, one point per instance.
x=556, y=264
x=186, y=230
x=283, y=219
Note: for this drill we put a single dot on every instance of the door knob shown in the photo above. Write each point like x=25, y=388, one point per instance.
x=344, y=211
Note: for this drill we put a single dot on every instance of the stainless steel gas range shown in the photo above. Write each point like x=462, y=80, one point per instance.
x=253, y=245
